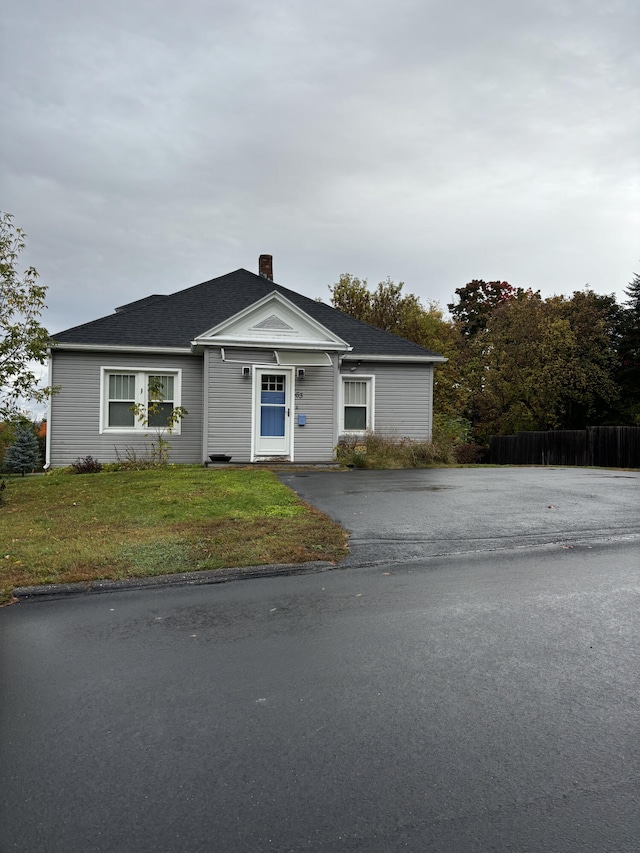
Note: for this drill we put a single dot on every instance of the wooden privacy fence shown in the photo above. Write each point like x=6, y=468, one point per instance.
x=605, y=446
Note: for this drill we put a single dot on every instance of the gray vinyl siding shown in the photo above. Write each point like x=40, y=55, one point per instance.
x=75, y=409
x=250, y=356
x=403, y=406
x=229, y=416
x=315, y=442
x=403, y=398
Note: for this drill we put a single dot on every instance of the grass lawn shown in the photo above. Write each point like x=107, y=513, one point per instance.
x=61, y=528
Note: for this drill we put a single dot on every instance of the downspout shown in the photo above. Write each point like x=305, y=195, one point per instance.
x=205, y=405
x=47, y=461
x=337, y=379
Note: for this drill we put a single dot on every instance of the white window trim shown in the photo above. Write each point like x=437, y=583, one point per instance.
x=142, y=376
x=370, y=379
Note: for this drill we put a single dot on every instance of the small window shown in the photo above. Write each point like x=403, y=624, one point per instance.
x=357, y=405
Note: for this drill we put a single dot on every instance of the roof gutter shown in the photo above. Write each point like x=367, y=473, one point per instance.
x=270, y=343
x=437, y=359
x=55, y=345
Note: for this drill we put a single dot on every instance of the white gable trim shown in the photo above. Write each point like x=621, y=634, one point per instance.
x=226, y=333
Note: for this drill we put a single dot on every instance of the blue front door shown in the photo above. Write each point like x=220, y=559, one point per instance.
x=273, y=412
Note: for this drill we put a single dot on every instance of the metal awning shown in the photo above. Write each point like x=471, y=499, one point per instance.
x=302, y=358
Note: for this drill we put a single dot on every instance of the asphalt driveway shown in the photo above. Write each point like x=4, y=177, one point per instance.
x=412, y=514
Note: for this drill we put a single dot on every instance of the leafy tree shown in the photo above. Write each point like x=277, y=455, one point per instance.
x=23, y=340
x=24, y=454
x=502, y=359
x=588, y=362
x=351, y=295
x=515, y=361
x=476, y=302
x=545, y=364
x=388, y=308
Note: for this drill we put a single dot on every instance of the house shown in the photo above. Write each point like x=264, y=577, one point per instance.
x=263, y=372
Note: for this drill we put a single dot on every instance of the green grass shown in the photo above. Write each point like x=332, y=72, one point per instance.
x=62, y=528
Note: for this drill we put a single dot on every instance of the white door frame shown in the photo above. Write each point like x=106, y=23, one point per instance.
x=265, y=448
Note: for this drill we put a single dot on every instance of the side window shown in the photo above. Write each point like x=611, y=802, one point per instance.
x=357, y=405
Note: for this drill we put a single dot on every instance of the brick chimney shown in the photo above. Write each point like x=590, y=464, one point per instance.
x=265, y=266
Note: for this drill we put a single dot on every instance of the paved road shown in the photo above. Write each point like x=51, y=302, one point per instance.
x=463, y=702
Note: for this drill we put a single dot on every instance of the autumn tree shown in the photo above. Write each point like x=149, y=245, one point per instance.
x=501, y=360
x=387, y=307
x=476, y=302
x=545, y=364
x=516, y=361
x=23, y=340
x=587, y=358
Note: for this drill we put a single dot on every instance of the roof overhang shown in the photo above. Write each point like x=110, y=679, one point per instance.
x=298, y=346
x=302, y=358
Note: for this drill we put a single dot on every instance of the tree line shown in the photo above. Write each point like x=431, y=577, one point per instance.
x=516, y=361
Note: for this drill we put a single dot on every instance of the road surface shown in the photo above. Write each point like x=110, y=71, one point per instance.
x=470, y=701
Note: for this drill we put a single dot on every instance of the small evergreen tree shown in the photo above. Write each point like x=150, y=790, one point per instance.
x=24, y=454
x=629, y=353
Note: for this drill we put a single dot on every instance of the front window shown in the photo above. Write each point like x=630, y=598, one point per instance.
x=122, y=396
x=157, y=394
x=357, y=405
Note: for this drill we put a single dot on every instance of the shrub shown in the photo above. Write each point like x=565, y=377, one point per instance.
x=131, y=459
x=453, y=437
x=423, y=453
x=376, y=451
x=469, y=453
x=88, y=465
x=455, y=430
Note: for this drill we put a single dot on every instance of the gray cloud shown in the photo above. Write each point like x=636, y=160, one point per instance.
x=153, y=146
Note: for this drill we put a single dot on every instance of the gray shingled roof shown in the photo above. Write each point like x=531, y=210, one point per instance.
x=175, y=320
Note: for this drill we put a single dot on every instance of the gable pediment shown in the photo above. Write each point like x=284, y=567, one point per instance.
x=272, y=321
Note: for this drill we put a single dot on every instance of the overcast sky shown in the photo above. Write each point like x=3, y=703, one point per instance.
x=149, y=145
